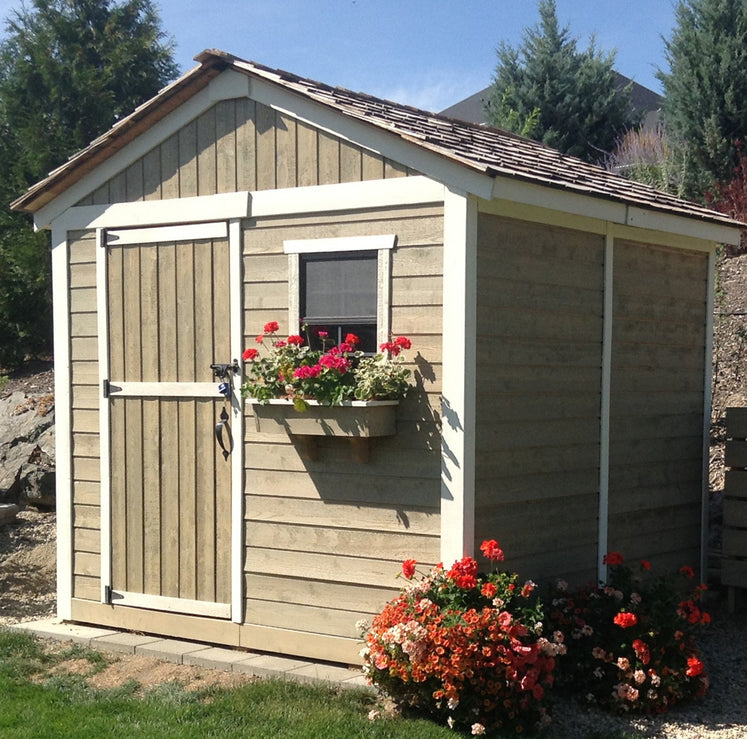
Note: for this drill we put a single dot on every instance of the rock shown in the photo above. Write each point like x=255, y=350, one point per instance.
x=27, y=450
x=8, y=512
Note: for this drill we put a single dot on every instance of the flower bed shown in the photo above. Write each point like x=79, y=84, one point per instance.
x=465, y=648
x=631, y=642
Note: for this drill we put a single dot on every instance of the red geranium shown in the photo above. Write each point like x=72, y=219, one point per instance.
x=625, y=620
x=271, y=327
x=613, y=559
x=492, y=550
x=408, y=568
x=249, y=354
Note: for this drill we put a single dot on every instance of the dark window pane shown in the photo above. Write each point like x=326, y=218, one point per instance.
x=336, y=334
x=339, y=288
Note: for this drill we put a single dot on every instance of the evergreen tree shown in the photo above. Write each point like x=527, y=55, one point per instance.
x=569, y=98
x=69, y=69
x=705, y=101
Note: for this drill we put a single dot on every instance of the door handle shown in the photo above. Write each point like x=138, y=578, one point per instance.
x=226, y=446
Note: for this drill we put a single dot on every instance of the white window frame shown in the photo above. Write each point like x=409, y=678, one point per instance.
x=382, y=244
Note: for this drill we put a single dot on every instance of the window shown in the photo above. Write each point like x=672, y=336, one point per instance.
x=341, y=286
x=338, y=294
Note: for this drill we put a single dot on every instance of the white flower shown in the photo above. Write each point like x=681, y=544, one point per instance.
x=561, y=585
x=450, y=722
x=361, y=626
x=453, y=703
x=477, y=729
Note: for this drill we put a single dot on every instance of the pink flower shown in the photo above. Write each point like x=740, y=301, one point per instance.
x=249, y=354
x=322, y=334
x=307, y=373
x=330, y=361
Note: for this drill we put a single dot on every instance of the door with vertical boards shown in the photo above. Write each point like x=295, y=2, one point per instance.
x=168, y=321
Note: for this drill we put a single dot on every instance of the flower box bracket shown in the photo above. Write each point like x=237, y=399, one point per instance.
x=356, y=421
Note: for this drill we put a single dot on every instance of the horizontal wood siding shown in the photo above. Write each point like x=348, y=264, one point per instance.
x=325, y=538
x=539, y=337
x=656, y=424
x=243, y=145
x=84, y=372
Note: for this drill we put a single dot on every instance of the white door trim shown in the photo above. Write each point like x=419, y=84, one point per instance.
x=182, y=232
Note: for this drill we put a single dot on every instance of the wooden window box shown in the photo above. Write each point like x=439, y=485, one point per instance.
x=357, y=420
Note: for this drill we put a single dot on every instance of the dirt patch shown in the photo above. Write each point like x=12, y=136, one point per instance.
x=149, y=672
x=27, y=567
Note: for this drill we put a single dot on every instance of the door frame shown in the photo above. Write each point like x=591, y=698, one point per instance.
x=133, y=232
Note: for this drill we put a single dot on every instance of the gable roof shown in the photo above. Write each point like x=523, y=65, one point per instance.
x=490, y=151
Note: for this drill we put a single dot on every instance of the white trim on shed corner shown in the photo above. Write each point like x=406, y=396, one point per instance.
x=63, y=421
x=459, y=367
x=707, y=409
x=604, y=416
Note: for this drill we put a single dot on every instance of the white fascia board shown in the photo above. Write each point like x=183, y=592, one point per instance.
x=642, y=218
x=373, y=138
x=527, y=193
x=226, y=86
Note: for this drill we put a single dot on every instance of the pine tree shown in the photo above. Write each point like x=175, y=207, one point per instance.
x=570, y=98
x=705, y=101
x=69, y=69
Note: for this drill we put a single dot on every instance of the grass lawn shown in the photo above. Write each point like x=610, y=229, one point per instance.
x=36, y=703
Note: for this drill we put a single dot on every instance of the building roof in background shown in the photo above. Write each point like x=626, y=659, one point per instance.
x=643, y=100
x=486, y=150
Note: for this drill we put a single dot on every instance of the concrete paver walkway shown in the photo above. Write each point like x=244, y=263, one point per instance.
x=194, y=653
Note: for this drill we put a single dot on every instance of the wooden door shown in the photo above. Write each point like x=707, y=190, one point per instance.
x=168, y=320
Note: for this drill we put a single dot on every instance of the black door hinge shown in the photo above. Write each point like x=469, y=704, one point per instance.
x=105, y=388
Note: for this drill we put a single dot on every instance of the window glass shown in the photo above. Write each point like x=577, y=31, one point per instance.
x=339, y=296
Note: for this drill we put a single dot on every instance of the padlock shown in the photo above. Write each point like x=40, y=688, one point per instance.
x=224, y=389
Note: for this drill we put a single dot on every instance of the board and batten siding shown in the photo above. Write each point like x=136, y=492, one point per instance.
x=656, y=406
x=538, y=383
x=240, y=145
x=325, y=539
x=84, y=374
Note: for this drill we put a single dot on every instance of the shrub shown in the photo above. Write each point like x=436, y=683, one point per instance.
x=630, y=643
x=463, y=647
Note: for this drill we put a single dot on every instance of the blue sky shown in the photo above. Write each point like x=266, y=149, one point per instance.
x=426, y=53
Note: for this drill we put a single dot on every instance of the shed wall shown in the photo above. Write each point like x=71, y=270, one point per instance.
x=656, y=413
x=539, y=337
x=325, y=538
x=240, y=145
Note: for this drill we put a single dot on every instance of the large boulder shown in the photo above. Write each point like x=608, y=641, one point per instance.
x=27, y=450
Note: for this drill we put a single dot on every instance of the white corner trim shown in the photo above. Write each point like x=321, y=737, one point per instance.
x=343, y=243
x=707, y=390
x=228, y=85
x=235, y=245
x=63, y=421
x=383, y=296
x=459, y=367
x=604, y=420
x=160, y=234
x=102, y=309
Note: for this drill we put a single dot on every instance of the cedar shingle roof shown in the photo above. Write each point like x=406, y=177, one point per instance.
x=488, y=150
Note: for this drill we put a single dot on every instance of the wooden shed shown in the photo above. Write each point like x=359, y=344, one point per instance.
x=560, y=319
